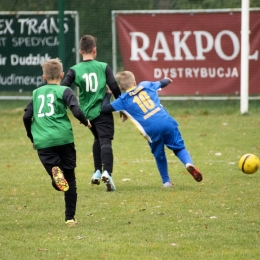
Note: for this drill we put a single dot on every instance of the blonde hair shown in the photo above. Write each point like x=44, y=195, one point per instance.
x=52, y=68
x=125, y=79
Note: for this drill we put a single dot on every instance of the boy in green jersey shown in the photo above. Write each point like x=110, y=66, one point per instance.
x=92, y=77
x=49, y=129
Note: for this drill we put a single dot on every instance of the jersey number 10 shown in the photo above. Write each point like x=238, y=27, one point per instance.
x=91, y=81
x=144, y=101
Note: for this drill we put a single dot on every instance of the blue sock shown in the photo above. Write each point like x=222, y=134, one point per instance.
x=157, y=149
x=184, y=156
x=162, y=166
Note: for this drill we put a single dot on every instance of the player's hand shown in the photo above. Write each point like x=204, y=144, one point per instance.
x=123, y=116
x=89, y=125
x=108, y=90
x=169, y=79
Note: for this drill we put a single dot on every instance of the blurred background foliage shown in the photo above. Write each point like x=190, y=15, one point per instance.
x=95, y=15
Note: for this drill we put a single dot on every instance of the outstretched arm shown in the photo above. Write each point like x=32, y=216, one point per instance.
x=106, y=106
x=113, y=86
x=165, y=82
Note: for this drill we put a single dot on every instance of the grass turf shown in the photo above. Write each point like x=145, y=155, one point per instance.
x=215, y=219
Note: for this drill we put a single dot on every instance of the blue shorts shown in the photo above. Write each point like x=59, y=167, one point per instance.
x=173, y=140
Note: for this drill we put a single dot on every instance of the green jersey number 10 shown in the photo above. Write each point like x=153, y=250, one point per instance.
x=91, y=81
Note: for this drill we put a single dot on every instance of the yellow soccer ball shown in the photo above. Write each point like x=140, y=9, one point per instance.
x=249, y=163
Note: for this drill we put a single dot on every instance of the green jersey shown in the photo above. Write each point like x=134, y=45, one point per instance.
x=51, y=125
x=90, y=77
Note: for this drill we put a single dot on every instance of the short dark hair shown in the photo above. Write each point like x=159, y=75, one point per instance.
x=87, y=43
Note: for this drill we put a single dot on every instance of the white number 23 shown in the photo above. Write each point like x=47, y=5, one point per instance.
x=49, y=104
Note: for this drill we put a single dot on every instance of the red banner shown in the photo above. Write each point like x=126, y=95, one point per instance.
x=199, y=51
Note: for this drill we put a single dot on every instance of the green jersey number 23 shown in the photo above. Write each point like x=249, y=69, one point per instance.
x=49, y=104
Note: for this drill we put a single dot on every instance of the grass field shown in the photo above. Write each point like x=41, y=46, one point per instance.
x=215, y=219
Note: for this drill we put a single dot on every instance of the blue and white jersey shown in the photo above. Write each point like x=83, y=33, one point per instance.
x=142, y=106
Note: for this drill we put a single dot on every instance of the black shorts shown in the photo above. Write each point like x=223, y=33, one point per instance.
x=103, y=126
x=63, y=156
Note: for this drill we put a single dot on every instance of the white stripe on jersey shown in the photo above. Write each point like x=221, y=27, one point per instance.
x=138, y=126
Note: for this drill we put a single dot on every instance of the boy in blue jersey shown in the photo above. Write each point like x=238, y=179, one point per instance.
x=141, y=104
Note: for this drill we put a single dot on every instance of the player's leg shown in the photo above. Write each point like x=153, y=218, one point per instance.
x=107, y=158
x=70, y=197
x=52, y=164
x=175, y=142
x=157, y=149
x=105, y=129
x=185, y=158
x=183, y=155
x=96, y=150
x=107, y=154
x=52, y=159
x=68, y=159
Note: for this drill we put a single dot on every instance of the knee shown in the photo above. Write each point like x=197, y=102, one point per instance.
x=160, y=154
x=105, y=142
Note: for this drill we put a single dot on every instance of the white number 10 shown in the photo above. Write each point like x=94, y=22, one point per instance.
x=91, y=81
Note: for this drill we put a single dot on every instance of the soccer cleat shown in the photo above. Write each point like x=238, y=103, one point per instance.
x=167, y=185
x=107, y=179
x=96, y=178
x=194, y=172
x=59, y=179
x=71, y=222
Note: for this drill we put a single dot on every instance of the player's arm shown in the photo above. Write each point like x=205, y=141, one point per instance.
x=165, y=82
x=111, y=82
x=27, y=119
x=69, y=78
x=113, y=86
x=106, y=107
x=72, y=103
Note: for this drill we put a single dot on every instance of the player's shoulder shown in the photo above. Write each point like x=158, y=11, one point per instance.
x=143, y=83
x=66, y=88
x=146, y=84
x=123, y=95
x=76, y=66
x=100, y=64
x=153, y=85
x=88, y=63
x=122, y=98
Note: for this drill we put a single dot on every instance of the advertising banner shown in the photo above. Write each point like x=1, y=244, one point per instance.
x=200, y=51
x=26, y=41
